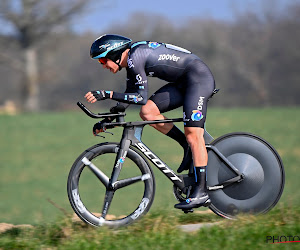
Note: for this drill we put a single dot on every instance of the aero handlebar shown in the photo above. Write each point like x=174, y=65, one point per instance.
x=120, y=117
x=99, y=115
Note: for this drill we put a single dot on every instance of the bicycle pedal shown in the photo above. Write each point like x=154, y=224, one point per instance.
x=186, y=211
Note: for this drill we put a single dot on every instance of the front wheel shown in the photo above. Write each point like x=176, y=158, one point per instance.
x=262, y=170
x=88, y=187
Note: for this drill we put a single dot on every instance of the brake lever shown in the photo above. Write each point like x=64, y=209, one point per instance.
x=104, y=131
x=100, y=136
x=108, y=132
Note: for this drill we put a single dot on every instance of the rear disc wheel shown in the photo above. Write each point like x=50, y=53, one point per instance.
x=261, y=167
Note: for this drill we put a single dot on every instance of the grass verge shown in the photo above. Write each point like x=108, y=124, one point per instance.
x=159, y=230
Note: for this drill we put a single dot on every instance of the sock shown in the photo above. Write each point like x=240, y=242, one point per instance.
x=200, y=176
x=177, y=135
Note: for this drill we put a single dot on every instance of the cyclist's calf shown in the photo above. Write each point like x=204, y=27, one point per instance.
x=195, y=139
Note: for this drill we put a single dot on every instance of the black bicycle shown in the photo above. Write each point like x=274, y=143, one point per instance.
x=244, y=175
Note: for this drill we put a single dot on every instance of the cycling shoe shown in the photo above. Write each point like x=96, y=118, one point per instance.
x=194, y=202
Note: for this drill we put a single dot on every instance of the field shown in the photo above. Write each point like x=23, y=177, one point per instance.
x=37, y=151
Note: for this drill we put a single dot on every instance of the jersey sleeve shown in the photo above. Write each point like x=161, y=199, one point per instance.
x=137, y=83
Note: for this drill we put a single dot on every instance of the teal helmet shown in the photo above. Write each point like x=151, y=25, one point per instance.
x=109, y=46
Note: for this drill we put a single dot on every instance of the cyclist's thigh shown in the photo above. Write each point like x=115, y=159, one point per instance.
x=168, y=97
x=199, y=86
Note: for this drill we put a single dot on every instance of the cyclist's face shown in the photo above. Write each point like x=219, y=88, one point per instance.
x=109, y=64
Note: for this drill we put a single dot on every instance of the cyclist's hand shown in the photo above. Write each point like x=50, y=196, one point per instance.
x=97, y=95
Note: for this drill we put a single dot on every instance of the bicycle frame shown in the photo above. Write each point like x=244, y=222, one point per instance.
x=132, y=135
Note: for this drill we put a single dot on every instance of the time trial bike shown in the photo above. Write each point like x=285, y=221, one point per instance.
x=245, y=174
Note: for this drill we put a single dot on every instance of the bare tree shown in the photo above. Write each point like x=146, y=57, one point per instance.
x=30, y=22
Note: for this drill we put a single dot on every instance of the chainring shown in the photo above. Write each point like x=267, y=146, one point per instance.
x=182, y=195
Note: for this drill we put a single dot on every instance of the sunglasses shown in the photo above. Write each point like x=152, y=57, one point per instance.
x=102, y=60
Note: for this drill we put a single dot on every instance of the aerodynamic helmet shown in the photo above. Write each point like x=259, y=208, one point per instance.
x=109, y=46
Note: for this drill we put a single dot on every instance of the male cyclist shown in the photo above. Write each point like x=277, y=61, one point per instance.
x=191, y=84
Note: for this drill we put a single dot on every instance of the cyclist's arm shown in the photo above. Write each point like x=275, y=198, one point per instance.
x=129, y=98
x=136, y=91
x=131, y=95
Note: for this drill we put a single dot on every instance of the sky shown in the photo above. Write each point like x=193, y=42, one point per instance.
x=106, y=13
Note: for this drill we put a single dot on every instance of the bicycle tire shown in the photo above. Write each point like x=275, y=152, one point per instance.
x=263, y=171
x=83, y=194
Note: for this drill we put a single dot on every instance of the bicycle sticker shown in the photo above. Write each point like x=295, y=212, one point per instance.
x=121, y=160
x=157, y=162
x=141, y=208
x=78, y=202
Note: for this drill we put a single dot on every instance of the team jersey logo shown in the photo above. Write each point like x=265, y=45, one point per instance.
x=197, y=115
x=130, y=63
x=140, y=80
x=168, y=57
x=153, y=45
x=200, y=102
x=184, y=117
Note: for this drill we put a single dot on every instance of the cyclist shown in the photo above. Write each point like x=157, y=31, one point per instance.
x=191, y=84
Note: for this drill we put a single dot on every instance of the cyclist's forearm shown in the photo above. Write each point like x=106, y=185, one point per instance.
x=135, y=98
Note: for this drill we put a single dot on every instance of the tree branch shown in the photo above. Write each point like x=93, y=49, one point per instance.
x=36, y=18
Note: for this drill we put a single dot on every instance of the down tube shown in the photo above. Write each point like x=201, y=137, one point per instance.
x=160, y=164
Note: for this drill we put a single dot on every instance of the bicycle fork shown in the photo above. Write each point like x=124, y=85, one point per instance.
x=111, y=187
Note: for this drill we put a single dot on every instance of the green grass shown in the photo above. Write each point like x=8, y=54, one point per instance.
x=38, y=150
x=159, y=230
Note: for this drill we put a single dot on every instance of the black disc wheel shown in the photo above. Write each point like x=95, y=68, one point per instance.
x=88, y=187
x=262, y=170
